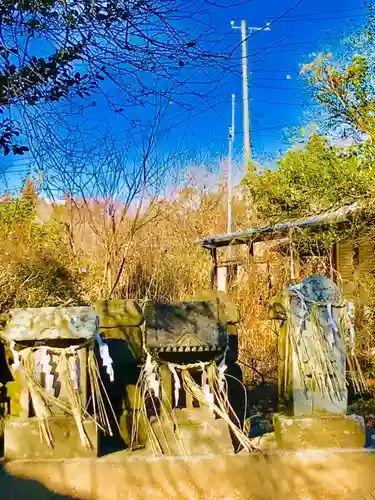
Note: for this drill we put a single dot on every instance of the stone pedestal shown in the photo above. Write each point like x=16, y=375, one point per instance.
x=23, y=440
x=319, y=432
x=200, y=433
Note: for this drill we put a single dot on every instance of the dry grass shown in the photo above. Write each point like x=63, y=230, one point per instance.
x=44, y=266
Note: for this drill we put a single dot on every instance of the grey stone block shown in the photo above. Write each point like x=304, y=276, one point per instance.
x=323, y=432
x=199, y=431
x=23, y=440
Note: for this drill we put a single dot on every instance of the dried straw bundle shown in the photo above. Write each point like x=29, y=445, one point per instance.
x=97, y=386
x=146, y=395
x=219, y=404
x=40, y=402
x=43, y=401
x=311, y=342
x=74, y=397
x=355, y=371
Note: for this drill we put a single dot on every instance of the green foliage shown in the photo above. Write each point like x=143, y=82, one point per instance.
x=19, y=212
x=321, y=177
x=319, y=242
x=34, y=260
x=79, y=44
x=27, y=79
x=312, y=180
x=345, y=85
x=346, y=92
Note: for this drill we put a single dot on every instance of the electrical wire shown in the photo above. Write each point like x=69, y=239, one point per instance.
x=316, y=19
x=353, y=9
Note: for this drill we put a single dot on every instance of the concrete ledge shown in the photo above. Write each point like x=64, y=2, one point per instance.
x=301, y=433
x=23, y=441
x=281, y=476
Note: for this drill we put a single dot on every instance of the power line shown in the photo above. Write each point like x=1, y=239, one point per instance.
x=291, y=89
x=244, y=38
x=327, y=12
x=292, y=44
x=245, y=88
x=275, y=71
x=267, y=26
x=309, y=19
x=288, y=104
x=288, y=71
x=271, y=79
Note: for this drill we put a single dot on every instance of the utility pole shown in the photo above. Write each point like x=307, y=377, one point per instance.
x=245, y=96
x=245, y=89
x=230, y=175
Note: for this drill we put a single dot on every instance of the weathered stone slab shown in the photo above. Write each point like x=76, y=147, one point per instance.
x=23, y=440
x=187, y=325
x=298, y=433
x=202, y=434
x=50, y=323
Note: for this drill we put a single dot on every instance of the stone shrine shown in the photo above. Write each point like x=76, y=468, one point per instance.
x=316, y=345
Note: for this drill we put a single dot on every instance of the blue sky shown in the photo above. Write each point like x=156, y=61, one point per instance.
x=279, y=104
x=279, y=100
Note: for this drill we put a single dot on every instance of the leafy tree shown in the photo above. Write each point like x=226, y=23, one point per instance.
x=131, y=44
x=27, y=79
x=35, y=268
x=312, y=180
x=344, y=84
x=20, y=211
x=346, y=93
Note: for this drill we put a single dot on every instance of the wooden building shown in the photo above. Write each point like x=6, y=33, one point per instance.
x=350, y=262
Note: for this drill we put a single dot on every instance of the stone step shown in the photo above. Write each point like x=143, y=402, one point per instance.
x=23, y=441
x=194, y=416
x=198, y=431
x=319, y=432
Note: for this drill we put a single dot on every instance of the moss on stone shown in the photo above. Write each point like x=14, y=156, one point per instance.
x=118, y=313
x=121, y=319
x=228, y=311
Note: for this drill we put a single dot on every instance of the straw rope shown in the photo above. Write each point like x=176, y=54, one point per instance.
x=320, y=371
x=220, y=406
x=44, y=401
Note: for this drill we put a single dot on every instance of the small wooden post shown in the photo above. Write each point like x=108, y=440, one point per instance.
x=291, y=256
x=334, y=262
x=213, y=251
x=250, y=246
x=222, y=278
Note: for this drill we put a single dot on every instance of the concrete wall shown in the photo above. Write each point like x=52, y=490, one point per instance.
x=305, y=475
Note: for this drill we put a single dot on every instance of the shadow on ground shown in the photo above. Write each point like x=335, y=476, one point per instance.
x=15, y=488
x=365, y=407
x=261, y=406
